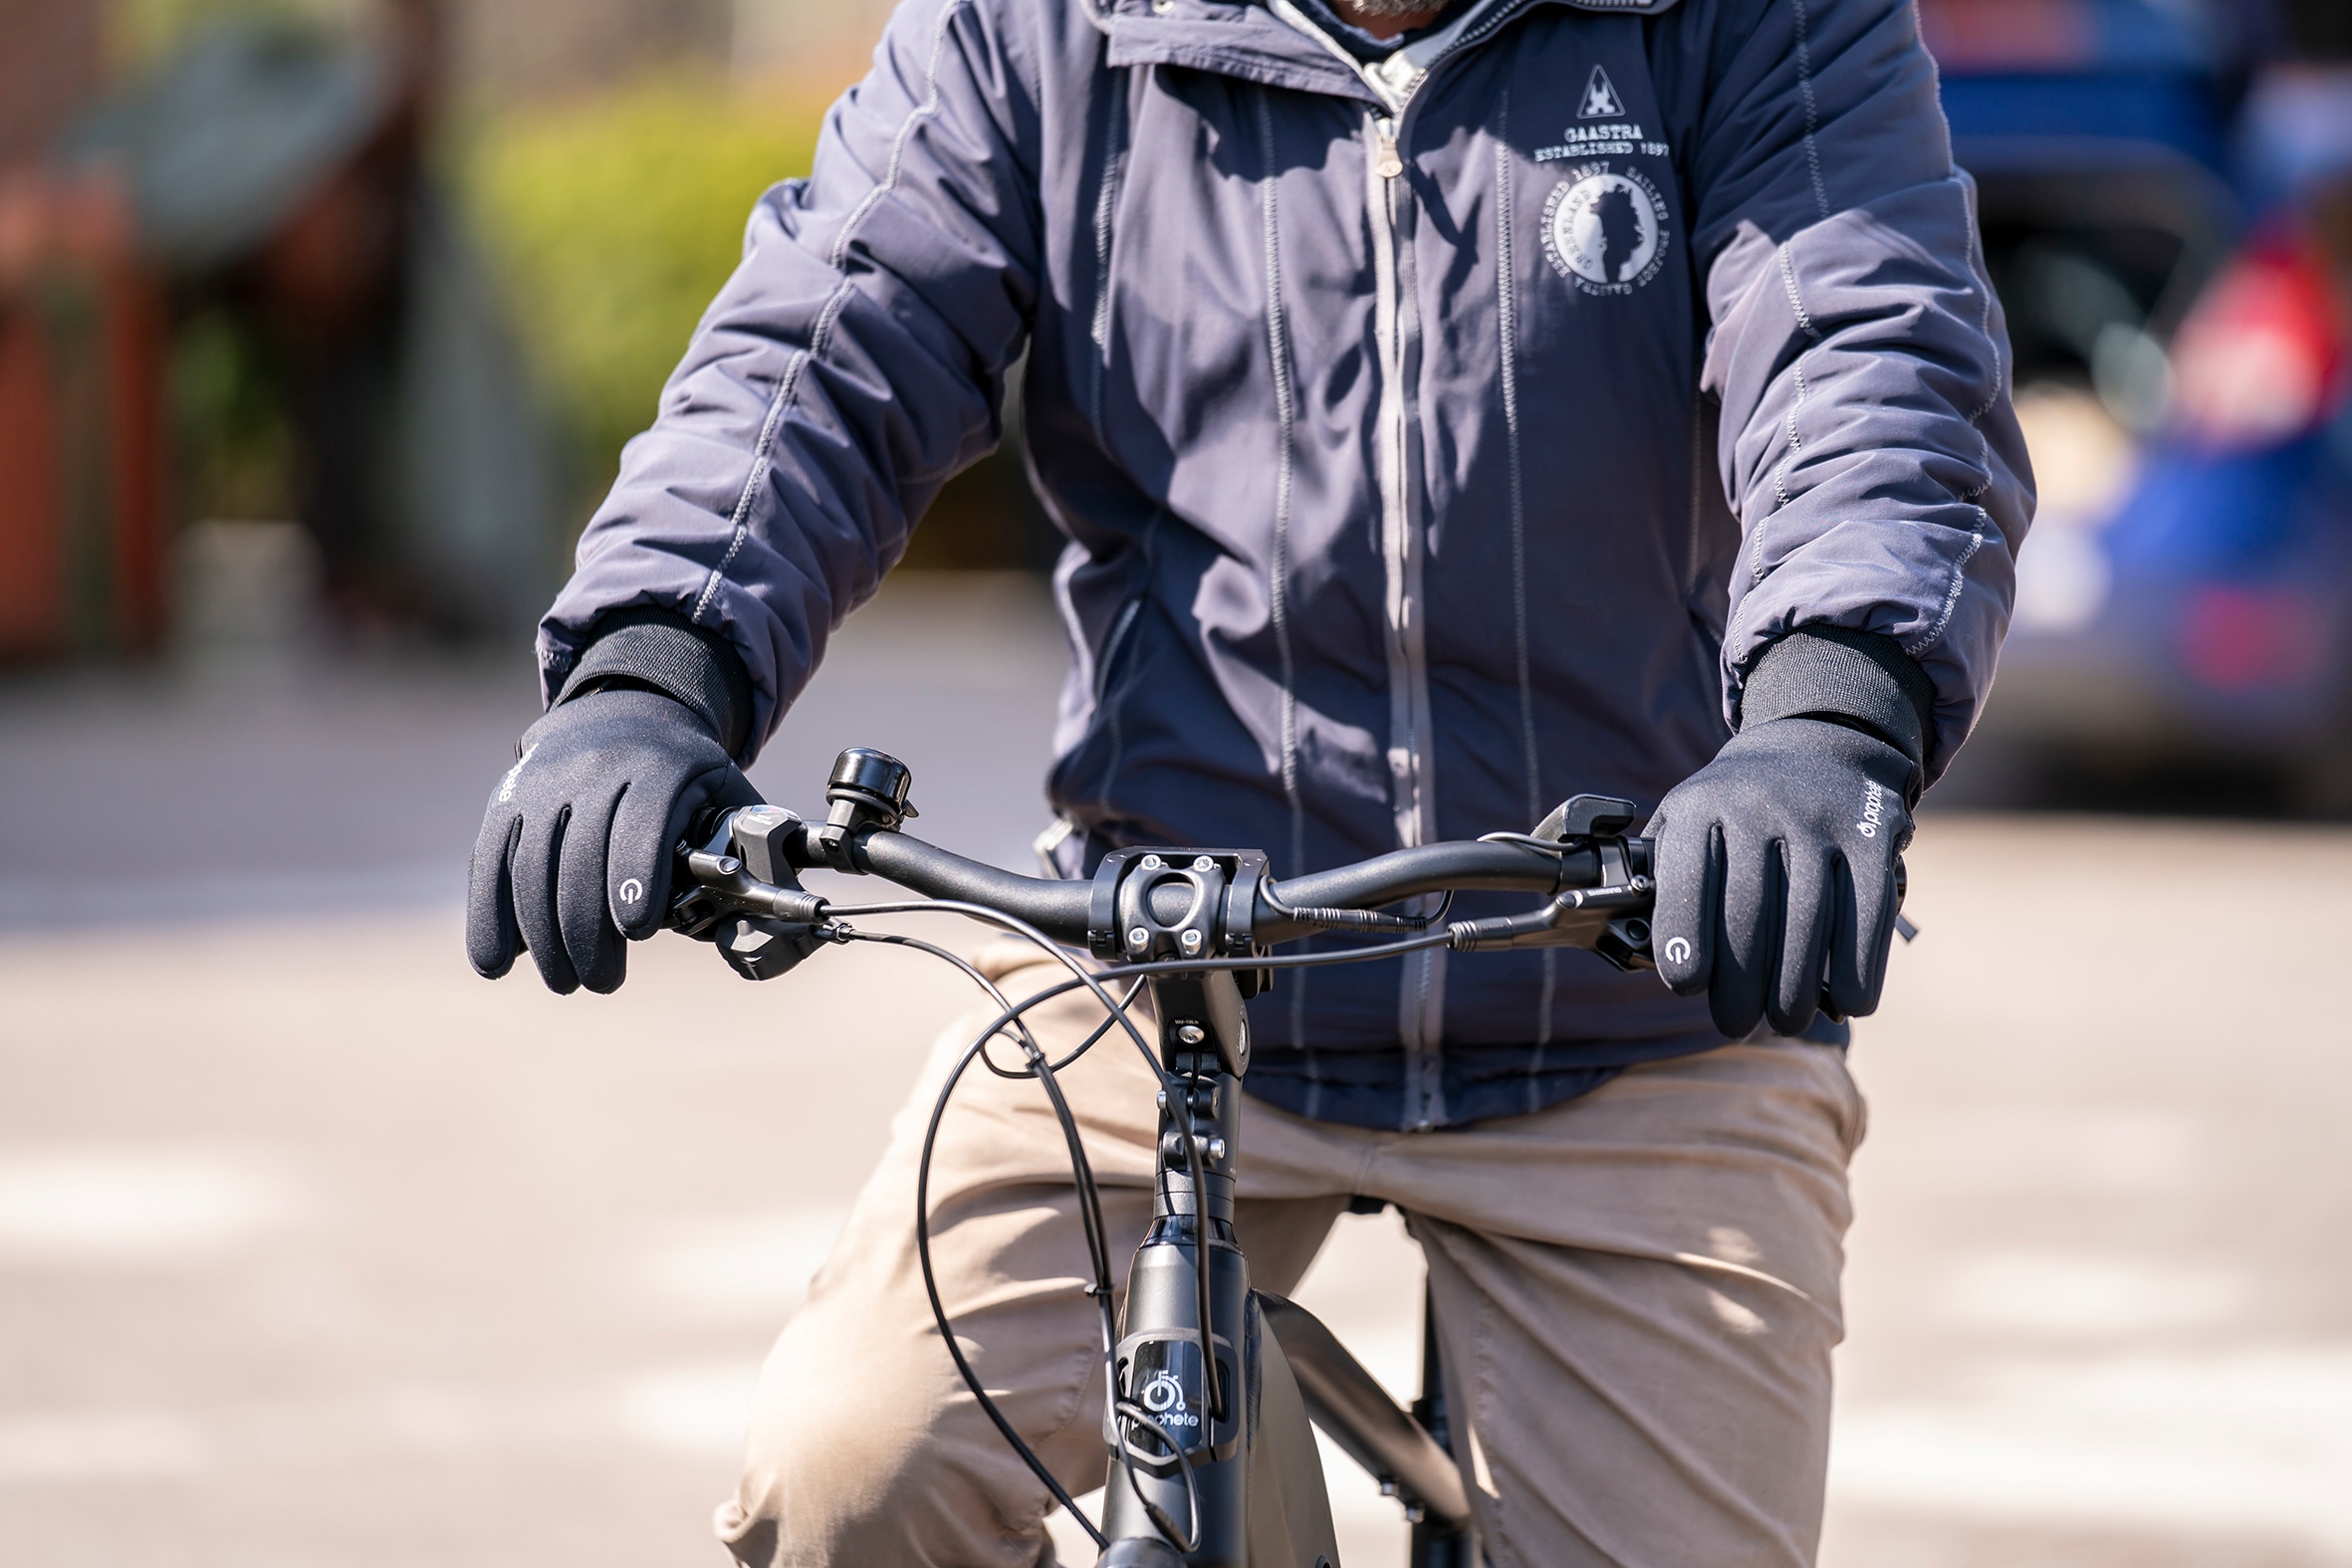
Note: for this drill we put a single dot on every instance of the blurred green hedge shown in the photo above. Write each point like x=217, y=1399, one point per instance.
x=611, y=222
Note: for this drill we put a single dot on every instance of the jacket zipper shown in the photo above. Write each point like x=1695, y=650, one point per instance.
x=1421, y=1008
x=1398, y=544
x=1421, y=1005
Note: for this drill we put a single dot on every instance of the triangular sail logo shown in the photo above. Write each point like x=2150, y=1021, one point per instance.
x=1601, y=98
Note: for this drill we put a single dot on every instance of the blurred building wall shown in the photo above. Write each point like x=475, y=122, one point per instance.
x=81, y=432
x=510, y=49
x=522, y=49
x=54, y=56
x=804, y=40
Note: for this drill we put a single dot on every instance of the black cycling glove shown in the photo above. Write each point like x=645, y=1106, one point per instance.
x=1776, y=862
x=575, y=850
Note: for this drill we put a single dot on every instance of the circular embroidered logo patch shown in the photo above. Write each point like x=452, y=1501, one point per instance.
x=1606, y=231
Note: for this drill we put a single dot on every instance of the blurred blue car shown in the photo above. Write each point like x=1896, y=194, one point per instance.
x=2170, y=234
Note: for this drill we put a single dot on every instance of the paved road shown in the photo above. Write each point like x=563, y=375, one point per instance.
x=315, y=1250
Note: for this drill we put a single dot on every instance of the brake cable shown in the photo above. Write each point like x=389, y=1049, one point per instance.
x=1352, y=918
x=1090, y=1196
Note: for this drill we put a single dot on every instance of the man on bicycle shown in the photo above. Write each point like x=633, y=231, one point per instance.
x=1391, y=370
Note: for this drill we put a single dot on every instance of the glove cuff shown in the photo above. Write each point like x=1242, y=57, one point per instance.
x=659, y=652
x=1856, y=678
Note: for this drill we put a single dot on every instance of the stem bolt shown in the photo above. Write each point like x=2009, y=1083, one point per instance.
x=1190, y=1034
x=1139, y=938
x=1190, y=941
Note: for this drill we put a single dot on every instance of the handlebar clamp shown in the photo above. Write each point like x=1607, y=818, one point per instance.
x=1152, y=904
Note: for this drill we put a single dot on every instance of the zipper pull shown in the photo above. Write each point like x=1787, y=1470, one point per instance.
x=1385, y=161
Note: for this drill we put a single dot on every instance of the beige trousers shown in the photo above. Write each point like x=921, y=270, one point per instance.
x=1636, y=1297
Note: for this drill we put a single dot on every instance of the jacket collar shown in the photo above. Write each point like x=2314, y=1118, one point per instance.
x=1247, y=41
x=1275, y=42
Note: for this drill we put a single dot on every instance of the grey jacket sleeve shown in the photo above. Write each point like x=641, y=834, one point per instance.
x=849, y=368
x=1868, y=445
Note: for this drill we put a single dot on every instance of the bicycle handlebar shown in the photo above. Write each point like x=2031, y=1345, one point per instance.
x=1143, y=904
x=1059, y=909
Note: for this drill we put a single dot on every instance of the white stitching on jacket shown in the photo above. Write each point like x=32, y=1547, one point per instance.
x=1796, y=373
x=1804, y=317
x=1952, y=598
x=1804, y=89
x=1115, y=158
x=826, y=317
x=2000, y=370
x=1960, y=567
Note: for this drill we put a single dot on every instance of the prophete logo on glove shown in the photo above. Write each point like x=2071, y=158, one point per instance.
x=1873, y=806
x=506, y=786
x=632, y=891
x=1677, y=949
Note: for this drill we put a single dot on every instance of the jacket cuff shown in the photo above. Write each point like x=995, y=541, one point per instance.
x=1856, y=678
x=656, y=650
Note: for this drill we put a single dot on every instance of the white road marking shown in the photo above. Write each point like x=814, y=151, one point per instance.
x=2059, y=1149
x=2255, y=1441
x=691, y=1409
x=694, y=1410
x=749, y=1268
x=72, y=1445
x=114, y=1206
x=2089, y=1298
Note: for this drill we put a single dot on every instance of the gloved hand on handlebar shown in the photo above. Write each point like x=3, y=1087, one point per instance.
x=1776, y=862
x=573, y=857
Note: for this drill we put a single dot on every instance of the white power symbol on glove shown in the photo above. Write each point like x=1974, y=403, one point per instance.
x=1677, y=949
x=632, y=891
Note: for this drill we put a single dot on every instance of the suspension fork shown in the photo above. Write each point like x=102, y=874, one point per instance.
x=1201, y=1405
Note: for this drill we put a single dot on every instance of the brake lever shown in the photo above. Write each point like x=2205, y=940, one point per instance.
x=739, y=892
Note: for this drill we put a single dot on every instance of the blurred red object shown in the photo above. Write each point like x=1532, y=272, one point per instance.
x=82, y=439
x=2236, y=639
x=2010, y=35
x=2262, y=359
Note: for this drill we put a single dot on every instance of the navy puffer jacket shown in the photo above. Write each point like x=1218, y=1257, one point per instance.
x=1391, y=411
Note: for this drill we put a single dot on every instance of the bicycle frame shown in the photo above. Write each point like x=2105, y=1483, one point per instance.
x=1250, y=1486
